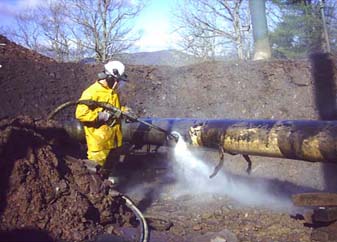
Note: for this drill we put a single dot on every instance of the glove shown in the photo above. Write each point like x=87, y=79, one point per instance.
x=129, y=112
x=129, y=115
x=117, y=113
x=104, y=116
x=126, y=109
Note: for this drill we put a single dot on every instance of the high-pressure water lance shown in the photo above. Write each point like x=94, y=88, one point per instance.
x=108, y=107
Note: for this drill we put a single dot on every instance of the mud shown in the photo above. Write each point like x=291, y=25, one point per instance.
x=46, y=193
x=51, y=194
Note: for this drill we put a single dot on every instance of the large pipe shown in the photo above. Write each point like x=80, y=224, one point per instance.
x=307, y=140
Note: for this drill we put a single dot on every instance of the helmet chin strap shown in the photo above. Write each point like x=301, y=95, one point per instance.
x=114, y=86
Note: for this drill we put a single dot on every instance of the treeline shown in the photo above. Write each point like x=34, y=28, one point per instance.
x=295, y=27
x=70, y=30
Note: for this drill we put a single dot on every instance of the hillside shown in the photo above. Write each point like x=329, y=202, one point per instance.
x=158, y=58
x=165, y=57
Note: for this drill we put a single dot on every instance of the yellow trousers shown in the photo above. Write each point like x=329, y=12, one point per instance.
x=106, y=158
x=99, y=156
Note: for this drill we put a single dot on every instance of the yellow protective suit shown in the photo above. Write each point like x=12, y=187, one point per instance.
x=100, y=139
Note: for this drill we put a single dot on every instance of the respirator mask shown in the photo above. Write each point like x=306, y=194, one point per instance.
x=111, y=80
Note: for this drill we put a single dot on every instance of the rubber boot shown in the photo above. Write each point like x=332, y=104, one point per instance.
x=90, y=165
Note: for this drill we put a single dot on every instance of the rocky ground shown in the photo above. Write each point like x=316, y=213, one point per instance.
x=46, y=191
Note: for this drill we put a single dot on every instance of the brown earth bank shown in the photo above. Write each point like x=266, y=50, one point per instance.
x=32, y=84
x=47, y=192
x=53, y=195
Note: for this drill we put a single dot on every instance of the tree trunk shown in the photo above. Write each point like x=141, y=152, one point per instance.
x=237, y=30
x=260, y=30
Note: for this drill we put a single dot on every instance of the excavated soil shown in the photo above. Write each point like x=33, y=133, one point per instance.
x=47, y=194
x=52, y=195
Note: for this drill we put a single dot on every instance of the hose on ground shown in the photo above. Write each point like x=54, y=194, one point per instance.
x=144, y=227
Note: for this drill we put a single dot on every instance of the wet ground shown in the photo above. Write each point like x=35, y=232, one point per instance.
x=204, y=209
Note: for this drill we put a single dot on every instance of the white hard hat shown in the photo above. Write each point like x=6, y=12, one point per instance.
x=114, y=68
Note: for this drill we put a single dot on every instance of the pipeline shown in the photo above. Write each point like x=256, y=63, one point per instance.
x=307, y=140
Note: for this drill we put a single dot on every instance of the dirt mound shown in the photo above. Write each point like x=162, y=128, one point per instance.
x=276, y=89
x=13, y=52
x=47, y=196
x=33, y=84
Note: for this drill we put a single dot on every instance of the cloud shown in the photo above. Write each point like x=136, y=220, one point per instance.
x=157, y=35
x=11, y=8
x=157, y=40
x=6, y=9
x=28, y=3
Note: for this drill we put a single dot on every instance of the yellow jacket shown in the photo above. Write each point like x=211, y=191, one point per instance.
x=102, y=137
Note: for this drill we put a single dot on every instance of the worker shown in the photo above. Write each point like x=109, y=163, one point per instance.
x=102, y=128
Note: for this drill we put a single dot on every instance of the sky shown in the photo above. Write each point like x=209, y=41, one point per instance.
x=154, y=22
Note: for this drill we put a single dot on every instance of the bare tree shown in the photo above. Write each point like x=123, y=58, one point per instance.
x=69, y=29
x=204, y=47
x=43, y=29
x=27, y=30
x=54, y=26
x=214, y=25
x=103, y=26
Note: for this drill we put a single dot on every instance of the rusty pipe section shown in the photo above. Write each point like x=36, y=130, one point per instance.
x=307, y=140
x=298, y=139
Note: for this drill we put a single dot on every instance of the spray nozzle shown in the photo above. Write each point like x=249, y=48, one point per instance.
x=174, y=136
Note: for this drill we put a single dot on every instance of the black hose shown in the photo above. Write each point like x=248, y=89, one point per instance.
x=59, y=108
